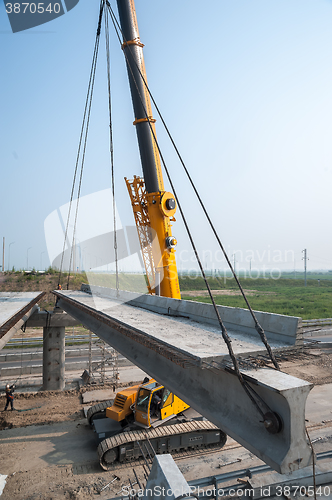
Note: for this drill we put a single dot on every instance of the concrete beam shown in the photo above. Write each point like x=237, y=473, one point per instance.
x=53, y=318
x=165, y=480
x=271, y=484
x=278, y=328
x=192, y=362
x=16, y=308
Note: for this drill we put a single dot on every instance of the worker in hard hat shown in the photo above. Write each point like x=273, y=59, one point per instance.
x=10, y=396
x=57, y=299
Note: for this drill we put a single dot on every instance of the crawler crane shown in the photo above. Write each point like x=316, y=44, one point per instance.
x=169, y=425
x=149, y=413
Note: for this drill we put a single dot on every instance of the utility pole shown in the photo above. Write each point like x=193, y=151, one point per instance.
x=41, y=260
x=305, y=258
x=12, y=243
x=3, y=255
x=28, y=258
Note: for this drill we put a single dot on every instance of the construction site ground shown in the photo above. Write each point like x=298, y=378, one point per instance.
x=49, y=451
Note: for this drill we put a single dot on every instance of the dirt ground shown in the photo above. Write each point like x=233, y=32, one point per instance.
x=40, y=408
x=49, y=451
x=311, y=364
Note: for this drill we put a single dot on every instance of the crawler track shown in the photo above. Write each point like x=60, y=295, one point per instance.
x=135, y=445
x=176, y=455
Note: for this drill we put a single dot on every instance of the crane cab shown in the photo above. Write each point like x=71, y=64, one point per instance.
x=155, y=404
x=148, y=404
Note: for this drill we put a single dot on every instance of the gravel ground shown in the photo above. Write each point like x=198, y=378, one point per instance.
x=49, y=451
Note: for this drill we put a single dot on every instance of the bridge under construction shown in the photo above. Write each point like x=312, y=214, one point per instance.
x=182, y=348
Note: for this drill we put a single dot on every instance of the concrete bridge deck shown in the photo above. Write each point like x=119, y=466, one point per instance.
x=189, y=357
x=196, y=341
x=15, y=309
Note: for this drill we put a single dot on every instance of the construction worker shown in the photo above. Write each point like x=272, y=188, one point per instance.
x=155, y=405
x=10, y=396
x=57, y=299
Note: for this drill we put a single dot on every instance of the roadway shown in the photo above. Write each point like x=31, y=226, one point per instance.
x=65, y=454
x=17, y=362
x=318, y=334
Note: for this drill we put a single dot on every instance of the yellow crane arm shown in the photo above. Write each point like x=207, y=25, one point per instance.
x=153, y=207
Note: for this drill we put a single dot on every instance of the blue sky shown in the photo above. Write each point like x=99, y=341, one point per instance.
x=246, y=89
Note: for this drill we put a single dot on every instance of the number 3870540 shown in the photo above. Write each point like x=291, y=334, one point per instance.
x=32, y=8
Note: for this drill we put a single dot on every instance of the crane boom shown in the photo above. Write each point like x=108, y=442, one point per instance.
x=153, y=207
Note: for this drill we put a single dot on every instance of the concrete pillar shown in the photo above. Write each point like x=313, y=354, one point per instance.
x=165, y=481
x=54, y=358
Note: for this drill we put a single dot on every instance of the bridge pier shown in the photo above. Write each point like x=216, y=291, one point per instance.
x=54, y=358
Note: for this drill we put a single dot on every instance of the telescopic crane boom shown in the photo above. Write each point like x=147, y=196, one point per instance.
x=153, y=207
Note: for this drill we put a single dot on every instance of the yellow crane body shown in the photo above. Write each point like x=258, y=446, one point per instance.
x=153, y=207
x=123, y=401
x=153, y=213
x=138, y=400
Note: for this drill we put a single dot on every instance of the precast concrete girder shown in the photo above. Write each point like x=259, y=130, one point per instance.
x=188, y=368
x=15, y=310
x=55, y=318
x=281, y=331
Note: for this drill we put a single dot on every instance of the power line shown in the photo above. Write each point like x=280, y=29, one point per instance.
x=85, y=125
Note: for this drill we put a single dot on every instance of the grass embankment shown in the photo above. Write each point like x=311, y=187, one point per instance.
x=20, y=282
x=283, y=296
x=129, y=282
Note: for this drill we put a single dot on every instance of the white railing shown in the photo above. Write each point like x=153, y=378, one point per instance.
x=25, y=342
x=317, y=322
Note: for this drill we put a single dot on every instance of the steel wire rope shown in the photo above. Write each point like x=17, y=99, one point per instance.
x=108, y=61
x=313, y=463
x=94, y=59
x=21, y=357
x=258, y=327
x=23, y=328
x=86, y=136
x=249, y=390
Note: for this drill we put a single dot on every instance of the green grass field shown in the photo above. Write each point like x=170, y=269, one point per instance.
x=283, y=296
x=129, y=282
